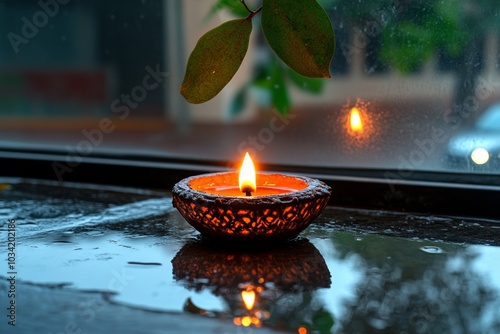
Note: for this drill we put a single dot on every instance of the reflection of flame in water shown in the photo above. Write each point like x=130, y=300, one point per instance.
x=254, y=318
x=293, y=267
x=247, y=320
x=251, y=280
x=355, y=120
x=248, y=299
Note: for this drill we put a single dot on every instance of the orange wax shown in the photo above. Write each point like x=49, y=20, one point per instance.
x=226, y=184
x=235, y=190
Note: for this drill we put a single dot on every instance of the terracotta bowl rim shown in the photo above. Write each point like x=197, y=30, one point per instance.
x=313, y=189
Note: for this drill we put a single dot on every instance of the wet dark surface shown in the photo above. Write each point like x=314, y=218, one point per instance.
x=94, y=259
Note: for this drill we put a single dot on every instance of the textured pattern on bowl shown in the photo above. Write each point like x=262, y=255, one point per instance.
x=240, y=218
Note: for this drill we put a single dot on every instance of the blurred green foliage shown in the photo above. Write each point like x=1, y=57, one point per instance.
x=408, y=34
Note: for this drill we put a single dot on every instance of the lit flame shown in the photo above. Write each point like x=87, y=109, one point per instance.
x=247, y=175
x=248, y=299
x=355, y=120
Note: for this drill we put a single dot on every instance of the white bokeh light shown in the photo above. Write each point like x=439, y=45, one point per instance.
x=480, y=156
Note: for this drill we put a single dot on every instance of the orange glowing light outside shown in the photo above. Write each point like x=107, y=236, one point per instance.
x=302, y=330
x=248, y=299
x=247, y=176
x=355, y=120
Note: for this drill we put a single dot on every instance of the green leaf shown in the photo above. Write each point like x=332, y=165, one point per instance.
x=271, y=79
x=323, y=321
x=280, y=99
x=234, y=6
x=301, y=34
x=264, y=72
x=238, y=101
x=310, y=85
x=215, y=59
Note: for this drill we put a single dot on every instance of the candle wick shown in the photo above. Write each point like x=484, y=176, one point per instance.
x=248, y=192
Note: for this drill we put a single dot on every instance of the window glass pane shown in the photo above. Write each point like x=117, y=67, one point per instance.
x=490, y=119
x=414, y=85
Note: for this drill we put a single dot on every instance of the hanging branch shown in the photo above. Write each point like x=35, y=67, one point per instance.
x=252, y=12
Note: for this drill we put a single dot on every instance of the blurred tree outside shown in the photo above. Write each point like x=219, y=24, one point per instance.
x=409, y=34
x=413, y=33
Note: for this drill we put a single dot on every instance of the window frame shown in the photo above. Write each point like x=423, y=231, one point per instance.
x=430, y=193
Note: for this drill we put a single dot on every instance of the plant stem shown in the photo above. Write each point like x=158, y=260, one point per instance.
x=255, y=12
x=246, y=6
x=252, y=12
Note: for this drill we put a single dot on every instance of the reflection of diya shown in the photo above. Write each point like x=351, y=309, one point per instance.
x=255, y=283
x=294, y=266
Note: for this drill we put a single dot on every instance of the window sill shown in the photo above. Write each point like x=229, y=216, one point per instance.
x=431, y=193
